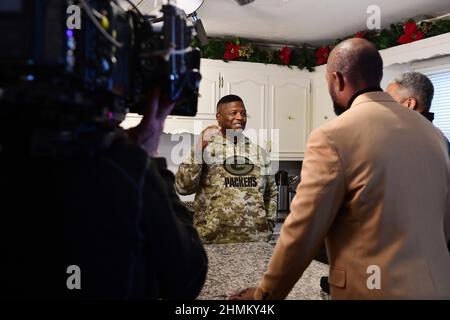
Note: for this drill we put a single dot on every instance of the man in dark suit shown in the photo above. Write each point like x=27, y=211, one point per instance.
x=371, y=180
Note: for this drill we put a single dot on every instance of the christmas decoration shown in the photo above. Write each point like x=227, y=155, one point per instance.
x=307, y=57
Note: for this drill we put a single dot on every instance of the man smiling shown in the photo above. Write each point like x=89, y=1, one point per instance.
x=235, y=195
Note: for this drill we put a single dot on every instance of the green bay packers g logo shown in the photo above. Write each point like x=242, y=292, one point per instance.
x=238, y=165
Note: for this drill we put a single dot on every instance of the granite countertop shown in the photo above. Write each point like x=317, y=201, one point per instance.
x=240, y=265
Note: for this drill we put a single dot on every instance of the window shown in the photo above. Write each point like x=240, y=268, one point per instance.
x=439, y=74
x=441, y=101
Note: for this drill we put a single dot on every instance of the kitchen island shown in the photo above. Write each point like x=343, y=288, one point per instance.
x=240, y=265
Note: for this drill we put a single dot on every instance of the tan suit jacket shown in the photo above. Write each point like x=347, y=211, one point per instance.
x=375, y=185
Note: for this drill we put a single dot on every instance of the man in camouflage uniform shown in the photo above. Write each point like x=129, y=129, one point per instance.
x=235, y=193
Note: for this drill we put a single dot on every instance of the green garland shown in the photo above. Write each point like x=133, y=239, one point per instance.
x=308, y=57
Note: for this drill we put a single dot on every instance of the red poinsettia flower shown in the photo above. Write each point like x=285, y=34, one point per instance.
x=322, y=55
x=407, y=38
x=360, y=34
x=411, y=33
x=285, y=55
x=410, y=27
x=231, y=51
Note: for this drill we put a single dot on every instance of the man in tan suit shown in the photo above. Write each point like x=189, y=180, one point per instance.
x=375, y=185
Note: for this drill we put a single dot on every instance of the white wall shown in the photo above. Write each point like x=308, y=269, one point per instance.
x=392, y=72
x=322, y=105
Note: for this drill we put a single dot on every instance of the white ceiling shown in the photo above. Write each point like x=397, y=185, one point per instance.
x=304, y=21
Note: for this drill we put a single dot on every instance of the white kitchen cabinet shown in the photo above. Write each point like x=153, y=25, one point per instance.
x=209, y=92
x=289, y=100
x=322, y=106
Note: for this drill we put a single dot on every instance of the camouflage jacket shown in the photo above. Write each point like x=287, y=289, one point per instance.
x=235, y=192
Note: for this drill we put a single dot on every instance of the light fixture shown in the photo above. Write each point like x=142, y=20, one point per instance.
x=189, y=6
x=198, y=25
x=153, y=7
x=243, y=2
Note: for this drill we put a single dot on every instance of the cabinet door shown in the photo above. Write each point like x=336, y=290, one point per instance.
x=252, y=88
x=322, y=110
x=208, y=92
x=289, y=100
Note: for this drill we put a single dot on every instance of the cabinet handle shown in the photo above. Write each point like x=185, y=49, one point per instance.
x=325, y=117
x=290, y=117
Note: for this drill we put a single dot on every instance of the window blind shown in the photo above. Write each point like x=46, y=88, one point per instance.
x=441, y=101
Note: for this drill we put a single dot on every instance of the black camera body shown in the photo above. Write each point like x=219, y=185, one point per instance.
x=98, y=72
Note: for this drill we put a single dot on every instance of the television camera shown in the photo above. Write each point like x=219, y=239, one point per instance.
x=95, y=73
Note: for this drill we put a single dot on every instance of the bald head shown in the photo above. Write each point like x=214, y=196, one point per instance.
x=358, y=61
x=353, y=65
